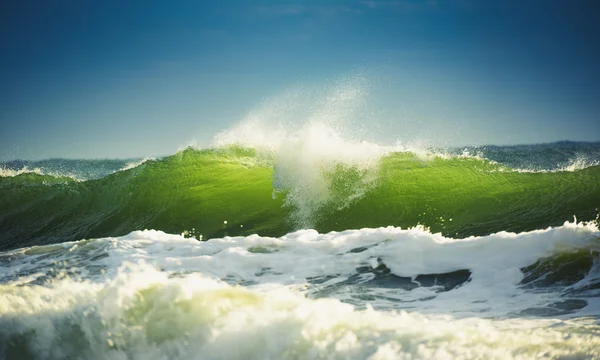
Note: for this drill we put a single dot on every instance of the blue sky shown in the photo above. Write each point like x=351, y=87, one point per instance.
x=98, y=79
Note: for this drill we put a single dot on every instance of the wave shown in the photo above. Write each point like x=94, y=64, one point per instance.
x=256, y=192
x=550, y=157
x=76, y=169
x=4, y=172
x=320, y=243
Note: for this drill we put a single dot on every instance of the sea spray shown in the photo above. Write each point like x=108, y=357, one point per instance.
x=312, y=149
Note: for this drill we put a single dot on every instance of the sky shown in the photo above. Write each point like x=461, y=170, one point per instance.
x=122, y=79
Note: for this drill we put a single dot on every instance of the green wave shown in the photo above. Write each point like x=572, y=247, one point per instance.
x=218, y=192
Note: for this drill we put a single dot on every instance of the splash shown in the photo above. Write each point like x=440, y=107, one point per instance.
x=312, y=135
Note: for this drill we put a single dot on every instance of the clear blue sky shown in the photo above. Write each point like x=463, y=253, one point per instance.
x=96, y=79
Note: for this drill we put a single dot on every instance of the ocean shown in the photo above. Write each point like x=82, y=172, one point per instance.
x=313, y=248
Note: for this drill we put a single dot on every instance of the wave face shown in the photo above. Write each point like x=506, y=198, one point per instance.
x=241, y=191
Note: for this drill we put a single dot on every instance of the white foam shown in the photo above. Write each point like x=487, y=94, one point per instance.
x=574, y=164
x=134, y=164
x=5, y=172
x=292, y=260
x=141, y=313
x=578, y=163
x=151, y=295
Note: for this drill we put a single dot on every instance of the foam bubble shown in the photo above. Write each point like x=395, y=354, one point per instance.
x=350, y=265
x=141, y=313
x=151, y=295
